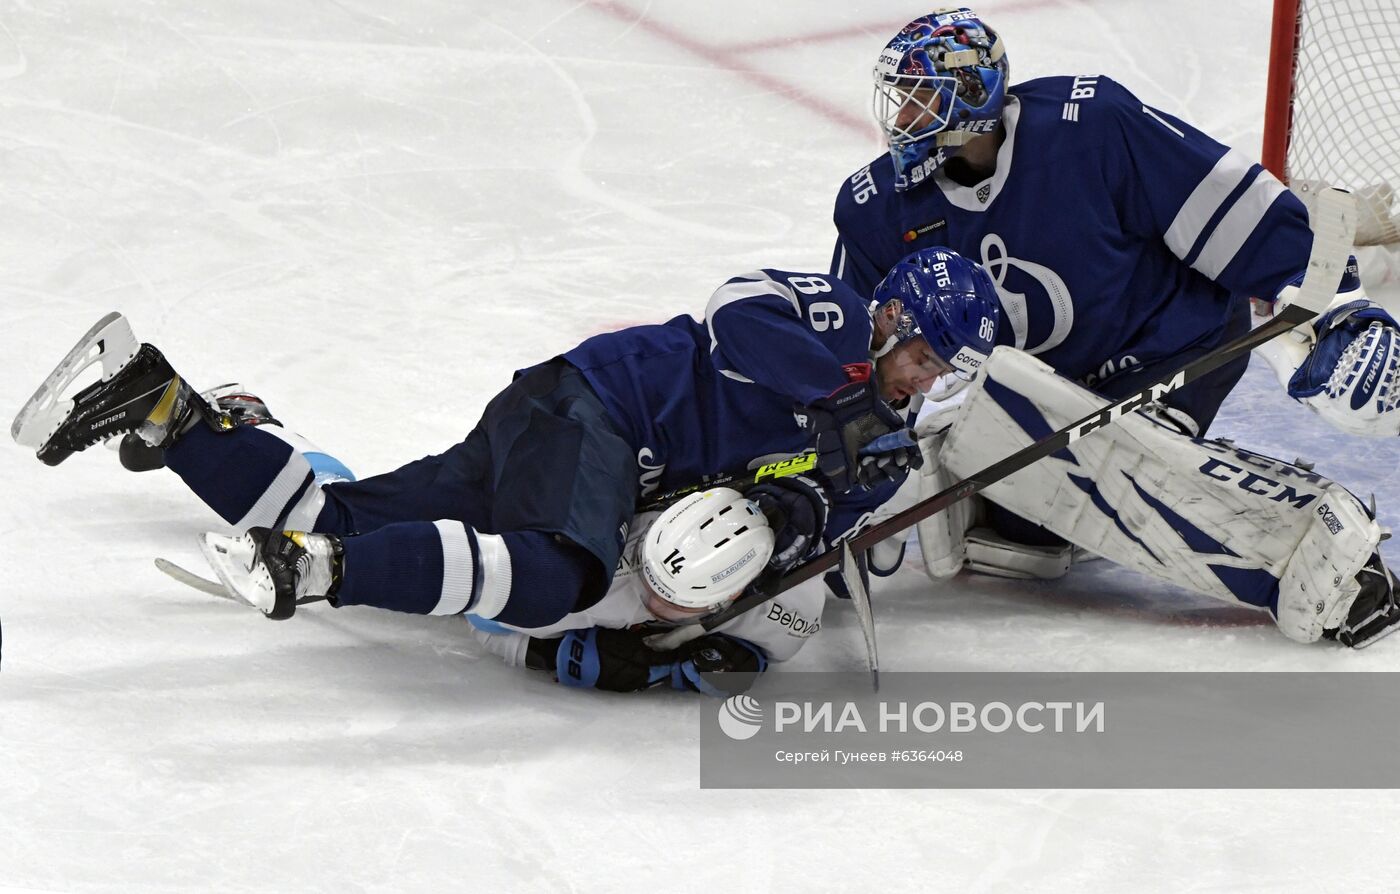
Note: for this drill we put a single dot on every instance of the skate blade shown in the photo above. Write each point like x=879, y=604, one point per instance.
x=235, y=561
x=110, y=342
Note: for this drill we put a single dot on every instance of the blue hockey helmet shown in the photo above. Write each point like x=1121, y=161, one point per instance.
x=939, y=83
x=949, y=301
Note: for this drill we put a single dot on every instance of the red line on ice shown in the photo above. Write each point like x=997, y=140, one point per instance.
x=725, y=59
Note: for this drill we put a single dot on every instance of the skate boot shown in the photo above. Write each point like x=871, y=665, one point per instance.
x=1374, y=613
x=138, y=392
x=230, y=400
x=275, y=571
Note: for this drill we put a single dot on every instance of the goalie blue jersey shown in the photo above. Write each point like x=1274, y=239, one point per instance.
x=698, y=398
x=1119, y=237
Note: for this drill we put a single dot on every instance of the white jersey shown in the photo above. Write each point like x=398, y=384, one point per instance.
x=779, y=626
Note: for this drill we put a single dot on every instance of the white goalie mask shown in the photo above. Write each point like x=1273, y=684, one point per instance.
x=702, y=552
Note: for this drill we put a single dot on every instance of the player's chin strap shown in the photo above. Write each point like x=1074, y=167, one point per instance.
x=890, y=340
x=1334, y=227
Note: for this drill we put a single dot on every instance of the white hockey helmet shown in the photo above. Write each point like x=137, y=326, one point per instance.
x=702, y=552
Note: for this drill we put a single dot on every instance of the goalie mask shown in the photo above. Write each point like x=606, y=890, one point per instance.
x=947, y=300
x=939, y=83
x=701, y=553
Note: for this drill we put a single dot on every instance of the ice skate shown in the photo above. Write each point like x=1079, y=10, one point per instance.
x=231, y=400
x=275, y=571
x=138, y=392
x=1374, y=613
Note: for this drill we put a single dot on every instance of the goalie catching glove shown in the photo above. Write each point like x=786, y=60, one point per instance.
x=1345, y=364
x=1349, y=377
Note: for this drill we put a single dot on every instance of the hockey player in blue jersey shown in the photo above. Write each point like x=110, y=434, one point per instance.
x=1122, y=241
x=523, y=523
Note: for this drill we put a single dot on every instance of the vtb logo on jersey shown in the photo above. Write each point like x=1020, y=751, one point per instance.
x=863, y=185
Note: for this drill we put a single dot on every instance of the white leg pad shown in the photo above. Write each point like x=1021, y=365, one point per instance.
x=1201, y=514
x=943, y=535
x=1319, y=581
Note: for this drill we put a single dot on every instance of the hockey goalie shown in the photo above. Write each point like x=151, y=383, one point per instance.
x=1202, y=514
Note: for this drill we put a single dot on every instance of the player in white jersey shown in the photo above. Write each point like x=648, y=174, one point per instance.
x=678, y=565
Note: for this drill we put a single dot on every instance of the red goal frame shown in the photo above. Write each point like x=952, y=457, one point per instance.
x=1278, y=106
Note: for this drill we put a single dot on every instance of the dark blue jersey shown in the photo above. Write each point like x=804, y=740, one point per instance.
x=698, y=398
x=1118, y=235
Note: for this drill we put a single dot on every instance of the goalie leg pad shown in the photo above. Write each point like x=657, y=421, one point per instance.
x=1218, y=520
x=943, y=535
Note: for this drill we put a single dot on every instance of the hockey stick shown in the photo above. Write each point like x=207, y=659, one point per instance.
x=860, y=598
x=213, y=587
x=740, y=480
x=1334, y=227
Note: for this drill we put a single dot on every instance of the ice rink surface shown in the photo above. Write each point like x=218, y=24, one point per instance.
x=370, y=213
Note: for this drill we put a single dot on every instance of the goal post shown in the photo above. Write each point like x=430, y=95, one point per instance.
x=1332, y=116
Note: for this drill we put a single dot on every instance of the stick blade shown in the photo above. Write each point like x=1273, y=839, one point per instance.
x=1333, y=223
x=860, y=598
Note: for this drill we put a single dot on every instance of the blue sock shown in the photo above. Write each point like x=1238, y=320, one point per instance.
x=230, y=471
x=400, y=567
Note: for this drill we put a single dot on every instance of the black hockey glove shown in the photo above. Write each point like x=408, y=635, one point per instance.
x=796, y=508
x=621, y=661
x=718, y=665
x=851, y=418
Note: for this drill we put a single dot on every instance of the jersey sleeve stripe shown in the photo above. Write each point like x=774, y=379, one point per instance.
x=1198, y=209
x=738, y=290
x=731, y=374
x=1237, y=225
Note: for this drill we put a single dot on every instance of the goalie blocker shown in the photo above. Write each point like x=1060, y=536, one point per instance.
x=1206, y=515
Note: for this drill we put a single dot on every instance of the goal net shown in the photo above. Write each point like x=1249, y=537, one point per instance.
x=1333, y=113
